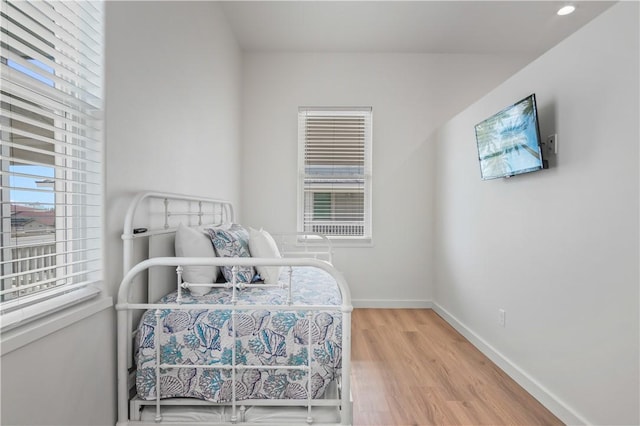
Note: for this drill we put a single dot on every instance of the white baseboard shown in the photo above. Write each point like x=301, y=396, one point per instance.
x=391, y=304
x=539, y=392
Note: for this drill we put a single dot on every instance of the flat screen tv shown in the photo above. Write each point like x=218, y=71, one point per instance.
x=509, y=141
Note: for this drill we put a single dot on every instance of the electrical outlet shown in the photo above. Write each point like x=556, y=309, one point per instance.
x=502, y=317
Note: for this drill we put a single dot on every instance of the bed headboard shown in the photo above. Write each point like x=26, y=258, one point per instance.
x=153, y=217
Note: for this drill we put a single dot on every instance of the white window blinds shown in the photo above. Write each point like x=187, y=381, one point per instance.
x=335, y=171
x=51, y=152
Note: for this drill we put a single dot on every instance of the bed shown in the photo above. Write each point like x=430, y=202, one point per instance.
x=266, y=341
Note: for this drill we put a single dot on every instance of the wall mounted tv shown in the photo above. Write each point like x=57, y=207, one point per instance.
x=509, y=141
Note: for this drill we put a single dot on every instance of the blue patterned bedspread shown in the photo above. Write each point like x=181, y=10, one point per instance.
x=272, y=339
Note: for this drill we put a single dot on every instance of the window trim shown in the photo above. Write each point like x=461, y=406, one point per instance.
x=366, y=240
x=53, y=309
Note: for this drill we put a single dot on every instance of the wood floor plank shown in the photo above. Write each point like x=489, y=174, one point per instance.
x=409, y=367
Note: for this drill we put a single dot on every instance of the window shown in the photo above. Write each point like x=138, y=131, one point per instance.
x=51, y=156
x=335, y=172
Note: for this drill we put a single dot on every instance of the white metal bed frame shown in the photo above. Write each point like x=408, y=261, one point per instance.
x=305, y=251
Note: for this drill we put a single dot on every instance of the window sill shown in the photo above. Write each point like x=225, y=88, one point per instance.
x=21, y=328
x=339, y=242
x=351, y=243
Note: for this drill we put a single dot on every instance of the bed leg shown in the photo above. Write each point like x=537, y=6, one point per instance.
x=157, y=331
x=346, y=417
x=123, y=379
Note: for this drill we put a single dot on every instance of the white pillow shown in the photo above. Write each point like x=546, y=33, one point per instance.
x=193, y=243
x=262, y=244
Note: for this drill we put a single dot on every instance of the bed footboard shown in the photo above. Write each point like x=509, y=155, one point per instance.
x=236, y=406
x=162, y=213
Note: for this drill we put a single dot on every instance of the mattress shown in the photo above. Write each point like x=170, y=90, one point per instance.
x=269, y=339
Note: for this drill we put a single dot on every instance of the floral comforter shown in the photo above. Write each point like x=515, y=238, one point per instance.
x=269, y=339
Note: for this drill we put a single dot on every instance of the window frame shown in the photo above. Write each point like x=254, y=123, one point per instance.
x=366, y=239
x=27, y=318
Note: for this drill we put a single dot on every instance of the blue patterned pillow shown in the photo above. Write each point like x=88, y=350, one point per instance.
x=232, y=241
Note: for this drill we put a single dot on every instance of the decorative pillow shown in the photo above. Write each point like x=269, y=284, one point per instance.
x=233, y=241
x=193, y=243
x=262, y=244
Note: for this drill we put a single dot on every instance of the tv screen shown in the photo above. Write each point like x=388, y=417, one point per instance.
x=509, y=141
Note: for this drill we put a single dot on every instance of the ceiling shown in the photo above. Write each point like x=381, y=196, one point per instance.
x=475, y=27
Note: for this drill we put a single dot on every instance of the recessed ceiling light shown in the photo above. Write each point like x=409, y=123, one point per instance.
x=566, y=10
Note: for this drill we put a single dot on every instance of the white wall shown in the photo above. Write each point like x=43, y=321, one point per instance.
x=411, y=94
x=557, y=249
x=65, y=378
x=173, y=92
x=173, y=107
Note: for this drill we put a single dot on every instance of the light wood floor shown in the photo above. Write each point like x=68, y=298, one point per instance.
x=409, y=367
